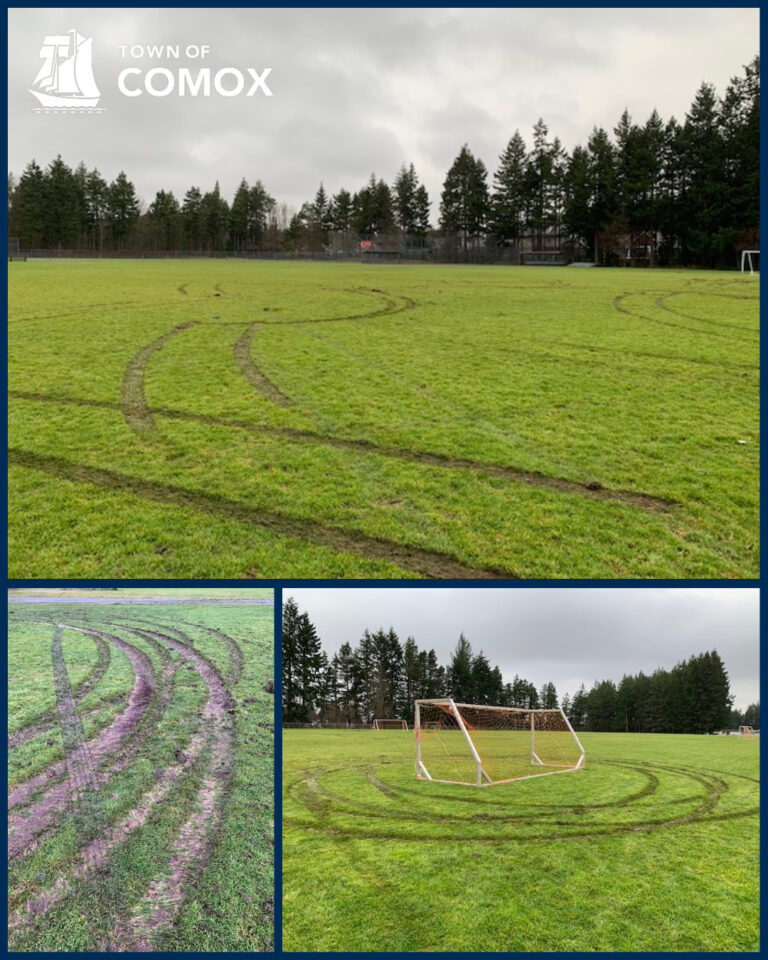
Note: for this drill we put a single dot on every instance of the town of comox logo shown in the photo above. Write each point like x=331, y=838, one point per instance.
x=65, y=83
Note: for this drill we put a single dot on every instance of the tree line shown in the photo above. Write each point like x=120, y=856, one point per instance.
x=654, y=192
x=381, y=677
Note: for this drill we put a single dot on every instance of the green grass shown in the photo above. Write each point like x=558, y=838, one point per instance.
x=654, y=847
x=31, y=695
x=461, y=421
x=227, y=903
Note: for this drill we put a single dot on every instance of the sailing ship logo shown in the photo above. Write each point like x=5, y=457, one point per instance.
x=65, y=82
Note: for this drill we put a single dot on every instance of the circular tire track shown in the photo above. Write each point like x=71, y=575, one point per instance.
x=654, y=797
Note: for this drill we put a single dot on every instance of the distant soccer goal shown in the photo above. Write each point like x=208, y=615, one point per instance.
x=747, y=732
x=482, y=745
x=750, y=262
x=390, y=724
x=14, y=249
x=543, y=258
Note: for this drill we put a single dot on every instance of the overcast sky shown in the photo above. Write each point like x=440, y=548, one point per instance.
x=567, y=636
x=356, y=91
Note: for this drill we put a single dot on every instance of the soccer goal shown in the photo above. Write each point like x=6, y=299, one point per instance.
x=481, y=745
x=390, y=724
x=747, y=732
x=750, y=262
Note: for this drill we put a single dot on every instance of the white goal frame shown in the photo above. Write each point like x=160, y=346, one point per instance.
x=482, y=779
x=746, y=261
x=382, y=723
x=748, y=732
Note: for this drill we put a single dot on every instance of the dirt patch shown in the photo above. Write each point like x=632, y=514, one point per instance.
x=428, y=563
x=132, y=397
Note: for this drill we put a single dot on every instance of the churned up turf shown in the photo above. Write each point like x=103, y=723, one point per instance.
x=140, y=804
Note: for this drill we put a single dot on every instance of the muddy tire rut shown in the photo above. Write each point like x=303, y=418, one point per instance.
x=209, y=755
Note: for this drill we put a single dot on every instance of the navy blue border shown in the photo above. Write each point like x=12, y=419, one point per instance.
x=280, y=585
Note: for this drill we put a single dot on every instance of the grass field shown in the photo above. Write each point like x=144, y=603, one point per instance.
x=230, y=419
x=140, y=778
x=653, y=847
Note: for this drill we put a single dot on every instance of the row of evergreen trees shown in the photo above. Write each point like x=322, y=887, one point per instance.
x=683, y=193
x=381, y=677
x=692, y=697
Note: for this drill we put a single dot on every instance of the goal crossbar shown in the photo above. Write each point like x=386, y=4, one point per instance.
x=494, y=743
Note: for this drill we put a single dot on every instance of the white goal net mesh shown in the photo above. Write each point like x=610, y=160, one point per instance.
x=475, y=744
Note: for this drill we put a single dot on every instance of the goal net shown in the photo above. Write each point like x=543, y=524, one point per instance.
x=483, y=745
x=750, y=262
x=747, y=732
x=390, y=724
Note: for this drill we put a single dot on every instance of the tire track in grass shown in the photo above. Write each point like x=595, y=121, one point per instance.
x=428, y=563
x=95, y=854
x=132, y=397
x=338, y=817
x=257, y=379
x=46, y=724
x=194, y=842
x=592, y=490
x=31, y=821
x=81, y=771
x=619, y=305
x=235, y=652
x=191, y=847
x=661, y=302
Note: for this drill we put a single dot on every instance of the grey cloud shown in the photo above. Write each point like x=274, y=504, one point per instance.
x=364, y=90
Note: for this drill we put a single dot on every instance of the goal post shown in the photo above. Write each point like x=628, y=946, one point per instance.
x=390, y=723
x=484, y=745
x=750, y=262
x=747, y=732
